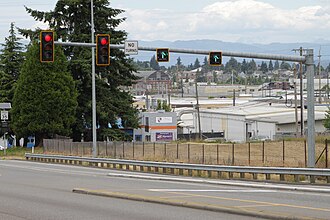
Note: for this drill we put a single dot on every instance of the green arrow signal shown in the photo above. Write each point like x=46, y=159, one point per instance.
x=164, y=55
x=216, y=58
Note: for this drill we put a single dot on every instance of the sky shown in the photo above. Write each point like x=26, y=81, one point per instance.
x=244, y=21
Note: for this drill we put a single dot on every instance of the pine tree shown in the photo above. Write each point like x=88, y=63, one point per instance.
x=45, y=99
x=71, y=22
x=154, y=64
x=197, y=64
x=11, y=59
x=270, y=66
x=276, y=65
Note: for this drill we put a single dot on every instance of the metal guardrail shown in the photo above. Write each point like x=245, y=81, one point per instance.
x=311, y=173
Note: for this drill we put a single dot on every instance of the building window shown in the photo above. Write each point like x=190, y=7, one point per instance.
x=146, y=129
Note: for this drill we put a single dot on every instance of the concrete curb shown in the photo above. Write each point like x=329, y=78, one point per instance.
x=228, y=183
x=200, y=206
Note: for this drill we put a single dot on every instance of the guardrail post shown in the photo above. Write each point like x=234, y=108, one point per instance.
x=242, y=175
x=282, y=177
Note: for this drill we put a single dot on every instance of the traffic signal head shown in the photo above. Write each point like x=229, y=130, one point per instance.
x=163, y=55
x=215, y=58
x=47, y=46
x=103, y=50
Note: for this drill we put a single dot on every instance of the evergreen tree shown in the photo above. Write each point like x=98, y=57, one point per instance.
x=71, y=22
x=326, y=121
x=252, y=67
x=45, y=99
x=264, y=67
x=285, y=66
x=197, y=64
x=270, y=66
x=244, y=66
x=11, y=59
x=154, y=64
x=232, y=64
x=276, y=65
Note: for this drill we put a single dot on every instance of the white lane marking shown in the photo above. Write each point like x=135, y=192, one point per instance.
x=294, y=189
x=82, y=173
x=214, y=190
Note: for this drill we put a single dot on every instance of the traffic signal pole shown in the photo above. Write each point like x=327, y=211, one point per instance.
x=308, y=60
x=94, y=150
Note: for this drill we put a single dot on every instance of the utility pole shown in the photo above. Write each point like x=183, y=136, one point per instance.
x=320, y=75
x=198, y=114
x=295, y=100
x=301, y=94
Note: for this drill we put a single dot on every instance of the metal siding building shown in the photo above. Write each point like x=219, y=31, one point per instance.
x=157, y=126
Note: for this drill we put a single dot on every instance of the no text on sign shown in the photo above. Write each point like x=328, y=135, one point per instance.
x=131, y=47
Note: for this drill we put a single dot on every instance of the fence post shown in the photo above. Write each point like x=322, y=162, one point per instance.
x=106, y=148
x=177, y=151
x=115, y=153
x=249, y=147
x=188, y=153
x=217, y=153
x=326, y=153
x=233, y=154
x=143, y=149
x=263, y=152
x=283, y=159
x=154, y=150
x=71, y=148
x=203, y=154
x=305, y=153
x=133, y=149
x=123, y=149
x=165, y=151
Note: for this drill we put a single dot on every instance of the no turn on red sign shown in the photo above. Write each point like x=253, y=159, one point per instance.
x=131, y=47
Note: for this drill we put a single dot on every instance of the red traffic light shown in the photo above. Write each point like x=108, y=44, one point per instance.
x=47, y=51
x=103, y=50
x=48, y=38
x=104, y=41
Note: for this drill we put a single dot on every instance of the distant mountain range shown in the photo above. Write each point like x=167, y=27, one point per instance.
x=273, y=48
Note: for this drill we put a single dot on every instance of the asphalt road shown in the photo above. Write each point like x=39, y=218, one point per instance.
x=30, y=190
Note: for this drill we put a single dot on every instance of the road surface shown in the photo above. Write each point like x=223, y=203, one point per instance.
x=30, y=190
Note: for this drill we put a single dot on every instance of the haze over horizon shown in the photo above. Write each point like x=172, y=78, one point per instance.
x=244, y=21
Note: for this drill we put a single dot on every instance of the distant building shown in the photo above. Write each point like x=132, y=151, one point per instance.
x=157, y=126
x=151, y=82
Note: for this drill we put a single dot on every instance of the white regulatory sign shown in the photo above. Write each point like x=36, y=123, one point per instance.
x=4, y=115
x=131, y=47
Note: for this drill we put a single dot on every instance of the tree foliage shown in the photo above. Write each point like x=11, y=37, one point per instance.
x=11, y=59
x=71, y=22
x=45, y=99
